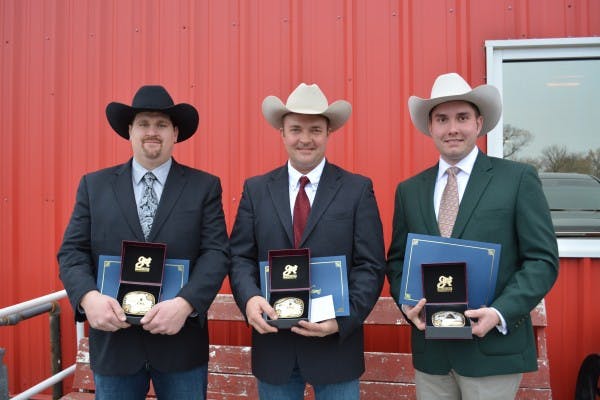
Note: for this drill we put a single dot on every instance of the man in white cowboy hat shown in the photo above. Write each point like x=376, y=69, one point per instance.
x=150, y=198
x=343, y=220
x=497, y=201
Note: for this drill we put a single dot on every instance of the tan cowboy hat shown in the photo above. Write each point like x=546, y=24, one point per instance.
x=306, y=99
x=452, y=87
x=153, y=98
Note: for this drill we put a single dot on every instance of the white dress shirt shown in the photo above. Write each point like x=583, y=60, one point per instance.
x=311, y=188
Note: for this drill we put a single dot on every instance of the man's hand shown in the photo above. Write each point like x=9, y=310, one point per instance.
x=103, y=312
x=485, y=320
x=167, y=317
x=318, y=329
x=254, y=310
x=415, y=314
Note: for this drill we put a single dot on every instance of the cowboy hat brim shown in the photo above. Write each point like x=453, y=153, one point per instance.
x=274, y=110
x=485, y=97
x=184, y=117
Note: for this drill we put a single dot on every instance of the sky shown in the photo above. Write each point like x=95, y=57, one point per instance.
x=557, y=101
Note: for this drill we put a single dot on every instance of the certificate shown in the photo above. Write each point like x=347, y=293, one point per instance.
x=328, y=276
x=176, y=274
x=481, y=258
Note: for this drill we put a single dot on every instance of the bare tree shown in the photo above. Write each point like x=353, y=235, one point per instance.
x=553, y=158
x=593, y=158
x=557, y=159
x=514, y=139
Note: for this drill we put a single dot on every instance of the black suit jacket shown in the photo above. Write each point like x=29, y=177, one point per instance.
x=189, y=219
x=344, y=219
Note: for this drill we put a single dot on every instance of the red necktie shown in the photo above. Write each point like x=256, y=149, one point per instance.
x=301, y=211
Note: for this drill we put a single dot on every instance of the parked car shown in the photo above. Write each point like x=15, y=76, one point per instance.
x=574, y=201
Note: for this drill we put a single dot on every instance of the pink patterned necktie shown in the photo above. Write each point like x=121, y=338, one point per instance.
x=301, y=211
x=449, y=204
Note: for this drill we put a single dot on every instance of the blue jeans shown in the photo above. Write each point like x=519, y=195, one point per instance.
x=294, y=389
x=182, y=385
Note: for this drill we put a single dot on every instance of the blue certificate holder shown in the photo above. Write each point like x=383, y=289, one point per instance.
x=328, y=276
x=481, y=259
x=175, y=275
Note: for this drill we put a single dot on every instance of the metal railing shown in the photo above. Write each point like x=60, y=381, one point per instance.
x=14, y=314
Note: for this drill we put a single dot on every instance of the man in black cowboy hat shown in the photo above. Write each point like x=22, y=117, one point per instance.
x=150, y=198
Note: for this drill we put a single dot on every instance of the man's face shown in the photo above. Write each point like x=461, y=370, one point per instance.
x=305, y=139
x=152, y=136
x=454, y=127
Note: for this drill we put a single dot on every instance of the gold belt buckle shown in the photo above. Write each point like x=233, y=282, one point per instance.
x=138, y=302
x=448, y=319
x=289, y=307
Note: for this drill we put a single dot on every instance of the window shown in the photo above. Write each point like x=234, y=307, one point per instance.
x=550, y=93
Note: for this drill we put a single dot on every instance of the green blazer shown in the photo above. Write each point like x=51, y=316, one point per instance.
x=503, y=203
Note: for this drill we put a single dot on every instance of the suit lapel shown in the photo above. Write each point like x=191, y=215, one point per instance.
x=174, y=186
x=329, y=184
x=123, y=191
x=478, y=181
x=279, y=190
x=425, y=195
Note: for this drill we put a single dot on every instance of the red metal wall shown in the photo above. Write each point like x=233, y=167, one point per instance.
x=62, y=61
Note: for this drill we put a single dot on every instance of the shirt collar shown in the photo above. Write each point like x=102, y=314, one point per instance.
x=314, y=176
x=465, y=165
x=161, y=172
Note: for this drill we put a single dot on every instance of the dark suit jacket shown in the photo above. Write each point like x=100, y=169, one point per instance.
x=503, y=203
x=189, y=220
x=344, y=219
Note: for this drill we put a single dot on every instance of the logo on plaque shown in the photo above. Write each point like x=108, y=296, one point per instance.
x=143, y=264
x=444, y=284
x=290, y=272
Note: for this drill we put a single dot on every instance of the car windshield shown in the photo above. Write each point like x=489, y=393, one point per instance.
x=572, y=194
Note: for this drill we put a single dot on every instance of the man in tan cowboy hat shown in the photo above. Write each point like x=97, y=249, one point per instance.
x=497, y=201
x=343, y=220
x=150, y=198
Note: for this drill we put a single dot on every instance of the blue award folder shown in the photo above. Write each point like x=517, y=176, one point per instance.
x=176, y=274
x=482, y=260
x=328, y=276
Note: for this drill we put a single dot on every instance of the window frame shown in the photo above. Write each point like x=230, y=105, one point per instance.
x=498, y=51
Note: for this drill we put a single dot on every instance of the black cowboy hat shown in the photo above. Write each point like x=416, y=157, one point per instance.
x=153, y=98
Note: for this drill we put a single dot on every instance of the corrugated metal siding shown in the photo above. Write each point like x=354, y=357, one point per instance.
x=62, y=61
x=573, y=322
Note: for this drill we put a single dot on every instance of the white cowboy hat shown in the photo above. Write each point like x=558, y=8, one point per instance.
x=452, y=87
x=306, y=99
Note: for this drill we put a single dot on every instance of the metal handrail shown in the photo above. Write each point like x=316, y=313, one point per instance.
x=45, y=384
x=6, y=311
x=14, y=319
x=7, y=315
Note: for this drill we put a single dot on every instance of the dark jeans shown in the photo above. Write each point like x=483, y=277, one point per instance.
x=182, y=385
x=294, y=389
